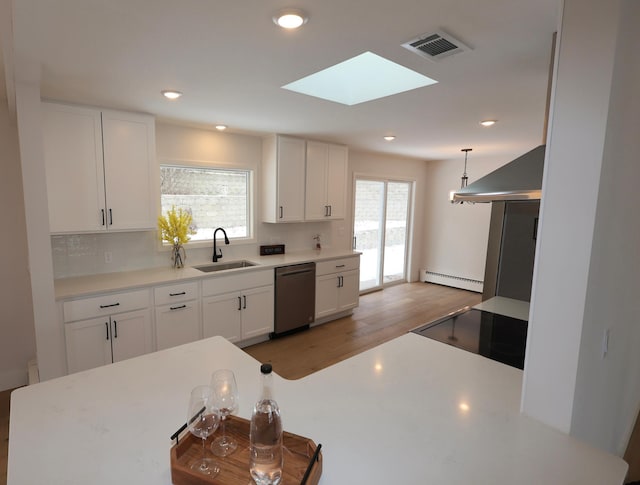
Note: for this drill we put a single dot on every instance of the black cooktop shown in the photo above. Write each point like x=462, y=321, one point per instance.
x=495, y=336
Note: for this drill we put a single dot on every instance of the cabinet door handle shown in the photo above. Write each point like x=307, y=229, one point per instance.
x=106, y=326
x=281, y=212
x=109, y=306
x=330, y=211
x=178, y=294
x=115, y=329
x=239, y=303
x=177, y=307
x=110, y=218
x=102, y=211
x=354, y=242
x=244, y=302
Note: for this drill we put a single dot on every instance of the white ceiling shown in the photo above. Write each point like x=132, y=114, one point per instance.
x=230, y=61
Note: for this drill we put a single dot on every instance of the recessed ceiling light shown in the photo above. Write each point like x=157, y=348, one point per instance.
x=290, y=18
x=488, y=122
x=389, y=137
x=171, y=94
x=221, y=127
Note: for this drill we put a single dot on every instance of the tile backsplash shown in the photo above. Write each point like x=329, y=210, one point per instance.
x=84, y=254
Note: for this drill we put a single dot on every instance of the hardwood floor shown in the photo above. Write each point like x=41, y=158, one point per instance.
x=381, y=316
x=4, y=434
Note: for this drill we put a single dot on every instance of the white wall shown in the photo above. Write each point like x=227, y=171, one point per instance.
x=17, y=345
x=571, y=180
x=587, y=257
x=608, y=391
x=456, y=235
x=50, y=346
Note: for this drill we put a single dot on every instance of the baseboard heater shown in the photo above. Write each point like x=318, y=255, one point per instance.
x=450, y=280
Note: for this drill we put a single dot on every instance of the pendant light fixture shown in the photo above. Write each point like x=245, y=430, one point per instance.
x=464, y=178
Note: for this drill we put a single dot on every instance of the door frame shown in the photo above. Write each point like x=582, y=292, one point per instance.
x=408, y=256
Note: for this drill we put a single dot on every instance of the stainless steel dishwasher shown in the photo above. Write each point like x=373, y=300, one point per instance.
x=295, y=298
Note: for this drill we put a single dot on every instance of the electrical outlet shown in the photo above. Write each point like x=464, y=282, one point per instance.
x=107, y=257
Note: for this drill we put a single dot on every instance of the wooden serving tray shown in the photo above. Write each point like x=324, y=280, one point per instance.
x=234, y=469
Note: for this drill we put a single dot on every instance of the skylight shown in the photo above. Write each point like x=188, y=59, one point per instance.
x=362, y=78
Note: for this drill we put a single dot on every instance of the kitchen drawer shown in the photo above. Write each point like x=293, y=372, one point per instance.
x=337, y=265
x=164, y=295
x=105, y=305
x=237, y=282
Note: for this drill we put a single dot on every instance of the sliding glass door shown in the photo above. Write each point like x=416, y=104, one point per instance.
x=381, y=230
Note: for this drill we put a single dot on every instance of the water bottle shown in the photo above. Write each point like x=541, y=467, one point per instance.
x=265, y=460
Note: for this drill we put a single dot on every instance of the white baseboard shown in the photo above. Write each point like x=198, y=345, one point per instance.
x=451, y=280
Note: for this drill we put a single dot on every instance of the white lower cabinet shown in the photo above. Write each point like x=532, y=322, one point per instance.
x=112, y=327
x=241, y=314
x=116, y=334
x=337, y=285
x=177, y=314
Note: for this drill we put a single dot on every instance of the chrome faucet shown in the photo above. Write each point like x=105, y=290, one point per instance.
x=217, y=256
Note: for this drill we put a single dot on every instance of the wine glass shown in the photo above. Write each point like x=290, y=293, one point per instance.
x=225, y=401
x=202, y=421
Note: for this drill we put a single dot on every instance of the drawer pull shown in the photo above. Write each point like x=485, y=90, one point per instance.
x=177, y=307
x=340, y=265
x=178, y=294
x=109, y=306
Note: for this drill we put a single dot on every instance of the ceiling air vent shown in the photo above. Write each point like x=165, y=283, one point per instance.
x=435, y=46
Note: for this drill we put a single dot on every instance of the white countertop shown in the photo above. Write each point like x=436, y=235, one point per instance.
x=107, y=282
x=389, y=415
x=506, y=306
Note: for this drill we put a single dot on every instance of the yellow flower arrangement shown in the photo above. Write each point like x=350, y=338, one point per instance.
x=175, y=228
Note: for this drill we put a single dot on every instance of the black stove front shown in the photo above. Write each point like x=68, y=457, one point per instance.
x=495, y=336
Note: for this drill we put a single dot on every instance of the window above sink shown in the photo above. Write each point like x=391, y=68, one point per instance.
x=214, y=196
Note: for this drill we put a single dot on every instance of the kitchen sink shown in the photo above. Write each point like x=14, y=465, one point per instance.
x=210, y=268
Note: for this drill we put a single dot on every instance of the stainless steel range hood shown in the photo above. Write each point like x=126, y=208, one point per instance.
x=520, y=179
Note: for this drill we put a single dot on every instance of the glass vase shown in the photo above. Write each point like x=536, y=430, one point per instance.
x=178, y=256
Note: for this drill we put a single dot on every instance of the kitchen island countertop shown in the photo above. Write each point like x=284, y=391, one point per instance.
x=79, y=286
x=411, y=410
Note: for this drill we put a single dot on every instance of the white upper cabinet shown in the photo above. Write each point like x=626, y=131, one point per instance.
x=100, y=169
x=326, y=181
x=129, y=167
x=283, y=179
x=72, y=143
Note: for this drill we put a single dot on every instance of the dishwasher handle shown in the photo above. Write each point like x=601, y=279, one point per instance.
x=295, y=270
x=292, y=273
